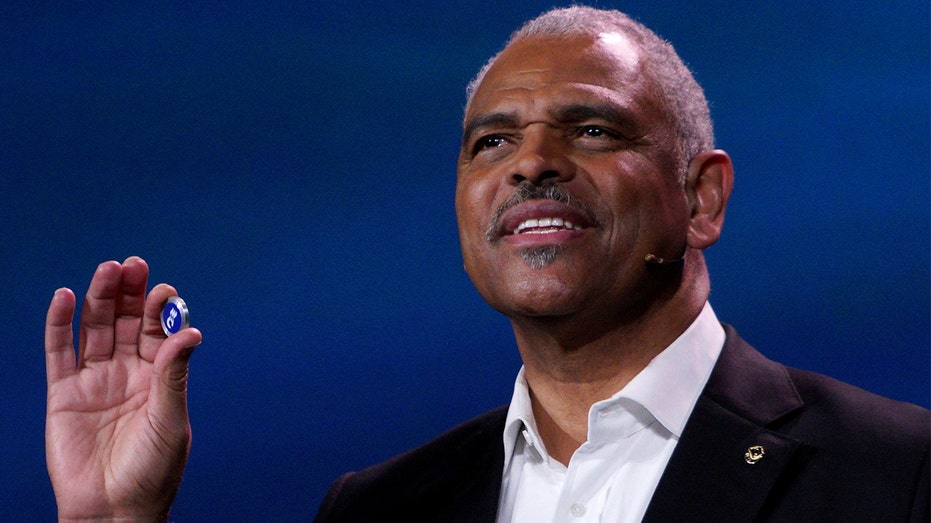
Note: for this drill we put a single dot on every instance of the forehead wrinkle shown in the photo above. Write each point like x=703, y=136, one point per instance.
x=532, y=71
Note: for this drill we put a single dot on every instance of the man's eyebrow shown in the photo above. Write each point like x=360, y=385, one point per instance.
x=600, y=111
x=487, y=120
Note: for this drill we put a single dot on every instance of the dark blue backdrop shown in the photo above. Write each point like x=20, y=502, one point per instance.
x=291, y=170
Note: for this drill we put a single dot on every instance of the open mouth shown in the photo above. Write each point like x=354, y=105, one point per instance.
x=545, y=226
x=555, y=216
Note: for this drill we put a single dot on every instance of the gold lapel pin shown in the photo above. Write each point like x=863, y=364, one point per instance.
x=754, y=454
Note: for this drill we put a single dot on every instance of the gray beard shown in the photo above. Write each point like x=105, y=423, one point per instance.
x=540, y=257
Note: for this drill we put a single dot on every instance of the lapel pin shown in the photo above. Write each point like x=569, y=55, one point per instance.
x=754, y=454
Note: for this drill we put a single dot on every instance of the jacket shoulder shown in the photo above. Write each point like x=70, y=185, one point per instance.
x=444, y=474
x=454, y=444
x=859, y=417
x=834, y=452
x=810, y=405
x=859, y=456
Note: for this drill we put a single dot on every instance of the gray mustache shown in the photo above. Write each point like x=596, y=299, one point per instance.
x=526, y=191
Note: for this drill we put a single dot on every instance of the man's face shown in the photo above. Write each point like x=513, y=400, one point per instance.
x=566, y=179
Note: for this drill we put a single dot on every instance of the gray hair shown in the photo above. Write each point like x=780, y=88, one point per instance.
x=681, y=98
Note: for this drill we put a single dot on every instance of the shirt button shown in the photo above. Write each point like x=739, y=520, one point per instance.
x=577, y=510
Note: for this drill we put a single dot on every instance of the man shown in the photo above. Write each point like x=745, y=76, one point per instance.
x=588, y=187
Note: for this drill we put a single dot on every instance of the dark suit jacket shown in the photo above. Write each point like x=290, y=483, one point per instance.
x=832, y=452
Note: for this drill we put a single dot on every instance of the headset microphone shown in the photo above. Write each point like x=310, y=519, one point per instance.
x=653, y=259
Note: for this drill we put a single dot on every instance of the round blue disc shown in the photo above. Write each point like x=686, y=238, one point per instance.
x=175, y=316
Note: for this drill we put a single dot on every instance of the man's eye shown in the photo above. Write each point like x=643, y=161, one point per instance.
x=594, y=131
x=489, y=142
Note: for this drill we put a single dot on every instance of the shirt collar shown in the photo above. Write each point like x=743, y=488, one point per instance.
x=519, y=418
x=668, y=387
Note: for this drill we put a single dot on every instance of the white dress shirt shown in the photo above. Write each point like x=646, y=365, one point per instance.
x=631, y=436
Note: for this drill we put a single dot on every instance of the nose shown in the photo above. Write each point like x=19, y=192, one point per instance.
x=543, y=157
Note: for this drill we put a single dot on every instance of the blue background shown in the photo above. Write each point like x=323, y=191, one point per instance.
x=290, y=169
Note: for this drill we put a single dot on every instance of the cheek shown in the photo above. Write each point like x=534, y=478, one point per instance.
x=466, y=217
x=471, y=231
x=631, y=211
x=475, y=206
x=476, y=202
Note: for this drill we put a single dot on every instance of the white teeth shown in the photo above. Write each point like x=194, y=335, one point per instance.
x=549, y=224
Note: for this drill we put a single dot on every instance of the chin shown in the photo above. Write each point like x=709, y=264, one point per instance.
x=537, y=297
x=540, y=257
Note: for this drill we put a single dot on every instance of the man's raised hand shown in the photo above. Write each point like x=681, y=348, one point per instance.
x=117, y=430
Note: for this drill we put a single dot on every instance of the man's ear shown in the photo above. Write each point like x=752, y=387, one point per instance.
x=708, y=185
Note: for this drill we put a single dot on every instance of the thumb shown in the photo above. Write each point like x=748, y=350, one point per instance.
x=168, y=394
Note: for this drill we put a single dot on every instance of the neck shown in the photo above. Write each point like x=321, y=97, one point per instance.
x=572, y=363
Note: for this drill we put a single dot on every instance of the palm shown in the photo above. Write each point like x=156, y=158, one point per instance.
x=94, y=419
x=117, y=433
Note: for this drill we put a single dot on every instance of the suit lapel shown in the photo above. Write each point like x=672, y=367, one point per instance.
x=708, y=477
x=470, y=482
